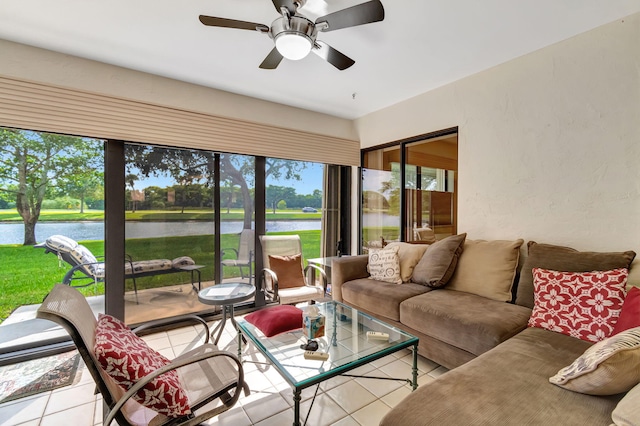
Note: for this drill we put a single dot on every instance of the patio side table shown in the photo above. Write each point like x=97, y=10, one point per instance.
x=226, y=295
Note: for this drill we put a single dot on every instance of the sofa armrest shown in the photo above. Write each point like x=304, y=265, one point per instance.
x=345, y=269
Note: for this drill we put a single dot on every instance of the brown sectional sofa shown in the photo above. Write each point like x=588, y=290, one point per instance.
x=453, y=326
x=500, y=369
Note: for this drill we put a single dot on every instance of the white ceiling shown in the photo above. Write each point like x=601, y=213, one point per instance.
x=419, y=46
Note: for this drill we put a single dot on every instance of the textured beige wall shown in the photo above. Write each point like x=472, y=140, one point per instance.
x=549, y=143
x=45, y=66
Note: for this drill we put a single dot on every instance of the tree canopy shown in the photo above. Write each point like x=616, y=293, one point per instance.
x=31, y=162
x=237, y=172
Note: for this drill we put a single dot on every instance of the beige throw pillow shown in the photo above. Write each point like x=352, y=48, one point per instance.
x=384, y=265
x=487, y=268
x=288, y=269
x=627, y=412
x=409, y=255
x=439, y=262
x=609, y=367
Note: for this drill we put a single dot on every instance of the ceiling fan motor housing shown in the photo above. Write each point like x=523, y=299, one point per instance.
x=296, y=30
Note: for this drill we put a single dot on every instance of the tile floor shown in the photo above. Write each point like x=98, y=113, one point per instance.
x=340, y=401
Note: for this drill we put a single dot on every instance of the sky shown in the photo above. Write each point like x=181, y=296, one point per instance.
x=311, y=180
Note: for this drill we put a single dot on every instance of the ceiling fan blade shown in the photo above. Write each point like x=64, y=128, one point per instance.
x=289, y=4
x=213, y=21
x=272, y=60
x=365, y=13
x=331, y=55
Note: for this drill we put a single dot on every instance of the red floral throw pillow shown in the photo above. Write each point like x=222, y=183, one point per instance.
x=630, y=314
x=276, y=320
x=585, y=305
x=127, y=359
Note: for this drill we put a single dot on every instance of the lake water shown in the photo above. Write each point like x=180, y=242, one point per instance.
x=13, y=233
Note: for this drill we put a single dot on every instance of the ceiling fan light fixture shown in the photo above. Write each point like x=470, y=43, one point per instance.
x=293, y=45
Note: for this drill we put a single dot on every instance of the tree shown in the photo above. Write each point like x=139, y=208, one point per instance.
x=30, y=162
x=192, y=166
x=83, y=184
x=130, y=179
x=277, y=193
x=227, y=195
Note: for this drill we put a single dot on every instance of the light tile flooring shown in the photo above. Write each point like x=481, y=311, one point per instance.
x=341, y=401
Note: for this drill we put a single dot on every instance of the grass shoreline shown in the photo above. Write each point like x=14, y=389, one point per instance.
x=12, y=216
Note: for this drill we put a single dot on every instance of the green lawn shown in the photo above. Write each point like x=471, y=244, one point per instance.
x=11, y=215
x=27, y=274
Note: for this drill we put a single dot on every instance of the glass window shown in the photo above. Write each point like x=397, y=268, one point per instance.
x=169, y=231
x=381, y=197
x=50, y=184
x=294, y=201
x=430, y=181
x=187, y=213
x=425, y=210
x=237, y=219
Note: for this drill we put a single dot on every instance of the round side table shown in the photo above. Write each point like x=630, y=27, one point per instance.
x=226, y=295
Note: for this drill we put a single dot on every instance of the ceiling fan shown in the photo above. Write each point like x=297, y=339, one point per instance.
x=295, y=35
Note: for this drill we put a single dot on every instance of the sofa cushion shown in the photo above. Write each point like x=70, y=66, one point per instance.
x=584, y=305
x=487, y=268
x=630, y=313
x=380, y=297
x=627, y=412
x=142, y=266
x=384, y=264
x=566, y=259
x=409, y=255
x=609, y=367
x=464, y=320
x=438, y=263
x=288, y=269
x=506, y=386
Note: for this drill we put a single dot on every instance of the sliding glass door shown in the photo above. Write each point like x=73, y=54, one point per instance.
x=381, y=183
x=409, y=190
x=169, y=231
x=177, y=219
x=51, y=187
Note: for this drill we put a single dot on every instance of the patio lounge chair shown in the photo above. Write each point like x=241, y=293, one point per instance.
x=205, y=374
x=86, y=269
x=283, y=279
x=244, y=253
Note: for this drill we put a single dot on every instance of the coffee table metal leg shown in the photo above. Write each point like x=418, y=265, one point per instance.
x=414, y=369
x=296, y=407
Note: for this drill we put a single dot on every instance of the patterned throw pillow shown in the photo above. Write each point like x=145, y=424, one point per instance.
x=609, y=367
x=127, y=359
x=384, y=264
x=585, y=305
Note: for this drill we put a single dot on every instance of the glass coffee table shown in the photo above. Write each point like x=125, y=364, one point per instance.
x=345, y=341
